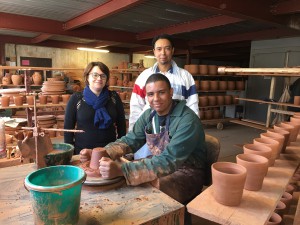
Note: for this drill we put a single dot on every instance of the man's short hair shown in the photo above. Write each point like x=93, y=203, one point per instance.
x=162, y=36
x=158, y=77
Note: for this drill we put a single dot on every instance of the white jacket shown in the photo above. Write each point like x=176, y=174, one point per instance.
x=181, y=81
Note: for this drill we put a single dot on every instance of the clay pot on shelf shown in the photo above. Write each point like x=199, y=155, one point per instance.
x=216, y=113
x=223, y=85
x=5, y=101
x=257, y=168
x=203, y=101
x=228, y=180
x=275, y=219
x=296, y=100
x=18, y=100
x=273, y=144
x=230, y=85
x=30, y=99
x=213, y=85
x=16, y=79
x=119, y=82
x=240, y=85
x=43, y=99
x=227, y=99
x=65, y=98
x=202, y=117
x=187, y=67
x=37, y=78
x=197, y=84
x=208, y=114
x=203, y=69
x=282, y=132
x=280, y=208
x=6, y=80
x=212, y=70
x=193, y=69
x=258, y=149
x=212, y=100
x=277, y=137
x=204, y=85
x=55, y=99
x=220, y=99
x=113, y=81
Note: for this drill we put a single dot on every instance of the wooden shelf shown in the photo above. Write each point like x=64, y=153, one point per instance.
x=36, y=68
x=20, y=85
x=214, y=106
x=267, y=102
x=221, y=91
x=13, y=106
x=217, y=75
x=252, y=124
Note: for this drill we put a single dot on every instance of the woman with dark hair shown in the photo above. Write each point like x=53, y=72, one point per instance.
x=97, y=110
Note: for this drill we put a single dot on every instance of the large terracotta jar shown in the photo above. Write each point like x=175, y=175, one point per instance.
x=276, y=137
x=257, y=168
x=258, y=149
x=37, y=78
x=16, y=79
x=228, y=180
x=203, y=69
x=273, y=144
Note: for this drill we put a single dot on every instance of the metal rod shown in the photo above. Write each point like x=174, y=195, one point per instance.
x=53, y=129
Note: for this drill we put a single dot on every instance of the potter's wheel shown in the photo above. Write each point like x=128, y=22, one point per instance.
x=94, y=181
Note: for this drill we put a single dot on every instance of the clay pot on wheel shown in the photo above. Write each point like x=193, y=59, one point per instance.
x=228, y=180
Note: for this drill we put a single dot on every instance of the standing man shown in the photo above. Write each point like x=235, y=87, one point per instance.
x=181, y=80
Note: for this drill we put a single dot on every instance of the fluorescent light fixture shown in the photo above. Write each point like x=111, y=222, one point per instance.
x=93, y=50
x=149, y=56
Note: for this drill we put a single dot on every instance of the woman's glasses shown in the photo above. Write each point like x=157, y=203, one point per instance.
x=96, y=75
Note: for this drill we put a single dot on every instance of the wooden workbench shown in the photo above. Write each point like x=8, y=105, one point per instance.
x=256, y=206
x=124, y=205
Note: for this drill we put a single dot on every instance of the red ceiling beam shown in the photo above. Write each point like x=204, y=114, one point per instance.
x=39, y=25
x=246, y=9
x=199, y=24
x=100, y=12
x=258, y=35
x=286, y=7
x=41, y=38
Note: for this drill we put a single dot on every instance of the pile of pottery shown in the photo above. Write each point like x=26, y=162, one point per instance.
x=220, y=85
x=53, y=87
x=203, y=69
x=251, y=167
x=217, y=100
x=210, y=113
x=45, y=121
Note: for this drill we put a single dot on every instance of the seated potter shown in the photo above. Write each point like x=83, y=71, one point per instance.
x=176, y=139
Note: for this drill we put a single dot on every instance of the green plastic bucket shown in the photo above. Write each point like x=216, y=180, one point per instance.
x=55, y=194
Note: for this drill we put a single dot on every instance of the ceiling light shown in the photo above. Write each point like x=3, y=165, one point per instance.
x=149, y=56
x=93, y=50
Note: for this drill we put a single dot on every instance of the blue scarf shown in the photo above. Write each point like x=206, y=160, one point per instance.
x=102, y=119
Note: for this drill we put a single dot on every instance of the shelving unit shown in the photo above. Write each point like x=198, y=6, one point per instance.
x=233, y=92
x=268, y=72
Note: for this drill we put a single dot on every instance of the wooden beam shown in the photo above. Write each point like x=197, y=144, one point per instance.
x=199, y=24
x=286, y=7
x=100, y=12
x=41, y=38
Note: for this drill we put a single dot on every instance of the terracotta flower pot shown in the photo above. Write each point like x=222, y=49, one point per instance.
x=203, y=69
x=203, y=101
x=284, y=133
x=258, y=149
x=230, y=85
x=212, y=100
x=208, y=114
x=286, y=198
x=55, y=99
x=5, y=101
x=295, y=121
x=204, y=85
x=65, y=98
x=216, y=113
x=220, y=100
x=223, y=85
x=294, y=131
x=197, y=84
x=6, y=80
x=213, y=85
x=277, y=137
x=240, y=85
x=228, y=99
x=16, y=79
x=296, y=100
x=273, y=144
x=194, y=69
x=30, y=99
x=228, y=180
x=257, y=168
x=280, y=208
x=43, y=99
x=283, y=129
x=275, y=219
x=212, y=70
x=18, y=100
x=202, y=115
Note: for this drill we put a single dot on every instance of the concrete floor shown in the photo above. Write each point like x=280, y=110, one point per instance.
x=231, y=138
